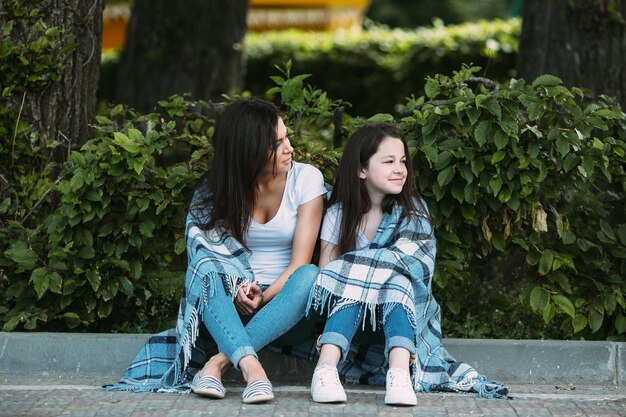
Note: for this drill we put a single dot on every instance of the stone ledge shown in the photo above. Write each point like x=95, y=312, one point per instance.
x=511, y=361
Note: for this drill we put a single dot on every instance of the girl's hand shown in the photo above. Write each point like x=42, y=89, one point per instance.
x=248, y=299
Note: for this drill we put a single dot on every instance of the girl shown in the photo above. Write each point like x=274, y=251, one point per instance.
x=377, y=259
x=251, y=230
x=372, y=206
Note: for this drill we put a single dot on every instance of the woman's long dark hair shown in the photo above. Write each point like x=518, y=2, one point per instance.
x=349, y=190
x=244, y=141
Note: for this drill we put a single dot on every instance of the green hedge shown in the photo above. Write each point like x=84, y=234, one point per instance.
x=378, y=68
x=525, y=185
x=375, y=69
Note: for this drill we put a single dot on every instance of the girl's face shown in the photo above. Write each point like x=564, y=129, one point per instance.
x=281, y=163
x=385, y=172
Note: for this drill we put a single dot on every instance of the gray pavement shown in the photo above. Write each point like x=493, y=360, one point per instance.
x=57, y=374
x=31, y=399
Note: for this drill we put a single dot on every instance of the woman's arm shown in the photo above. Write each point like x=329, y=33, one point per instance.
x=304, y=239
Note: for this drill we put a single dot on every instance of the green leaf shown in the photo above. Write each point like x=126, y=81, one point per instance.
x=11, y=324
x=472, y=115
x=125, y=142
x=138, y=165
x=143, y=203
x=39, y=279
x=595, y=320
x=445, y=176
x=493, y=106
x=481, y=131
x=606, y=228
x=127, y=286
x=146, y=227
x=24, y=256
x=620, y=324
x=92, y=195
x=497, y=157
x=72, y=320
x=548, y=313
x=621, y=232
x=135, y=269
x=545, y=263
x=381, y=117
x=94, y=279
x=579, y=323
x=55, y=283
x=562, y=145
x=539, y=299
x=105, y=308
x=546, y=80
x=495, y=184
x=570, y=162
x=500, y=139
x=180, y=246
x=565, y=304
x=87, y=252
x=431, y=88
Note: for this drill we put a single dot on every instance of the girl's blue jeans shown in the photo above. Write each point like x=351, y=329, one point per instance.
x=268, y=323
x=343, y=324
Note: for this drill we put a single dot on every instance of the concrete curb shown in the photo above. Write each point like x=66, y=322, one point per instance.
x=512, y=361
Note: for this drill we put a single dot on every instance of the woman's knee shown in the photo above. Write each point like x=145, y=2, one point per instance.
x=306, y=274
x=301, y=281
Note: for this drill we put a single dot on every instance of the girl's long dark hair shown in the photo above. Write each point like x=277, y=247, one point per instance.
x=349, y=190
x=244, y=141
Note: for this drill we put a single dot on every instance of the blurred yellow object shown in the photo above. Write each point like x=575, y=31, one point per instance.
x=263, y=15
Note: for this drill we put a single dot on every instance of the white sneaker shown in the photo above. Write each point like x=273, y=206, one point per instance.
x=325, y=385
x=399, y=388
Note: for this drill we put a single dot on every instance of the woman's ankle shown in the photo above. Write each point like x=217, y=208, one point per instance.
x=216, y=366
x=251, y=369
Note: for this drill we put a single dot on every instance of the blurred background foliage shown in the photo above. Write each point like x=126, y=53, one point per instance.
x=413, y=13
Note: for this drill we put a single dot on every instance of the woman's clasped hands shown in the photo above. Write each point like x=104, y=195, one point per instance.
x=249, y=298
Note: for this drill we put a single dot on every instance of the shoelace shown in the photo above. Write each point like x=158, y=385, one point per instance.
x=398, y=381
x=328, y=376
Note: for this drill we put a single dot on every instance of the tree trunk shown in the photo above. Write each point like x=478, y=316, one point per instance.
x=580, y=41
x=175, y=47
x=63, y=108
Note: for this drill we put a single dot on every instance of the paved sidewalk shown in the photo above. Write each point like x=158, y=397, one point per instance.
x=42, y=398
x=54, y=374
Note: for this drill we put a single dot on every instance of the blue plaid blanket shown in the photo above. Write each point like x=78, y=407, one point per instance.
x=396, y=269
x=169, y=360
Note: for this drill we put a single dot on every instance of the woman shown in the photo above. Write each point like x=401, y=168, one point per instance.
x=251, y=232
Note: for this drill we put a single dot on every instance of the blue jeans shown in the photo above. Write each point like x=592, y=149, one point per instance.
x=268, y=323
x=342, y=325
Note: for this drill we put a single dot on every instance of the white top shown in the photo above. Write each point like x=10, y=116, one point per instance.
x=330, y=229
x=271, y=243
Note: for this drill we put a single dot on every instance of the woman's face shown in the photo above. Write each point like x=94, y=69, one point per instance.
x=281, y=163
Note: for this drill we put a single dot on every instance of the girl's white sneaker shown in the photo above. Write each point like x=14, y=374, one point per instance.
x=325, y=385
x=399, y=388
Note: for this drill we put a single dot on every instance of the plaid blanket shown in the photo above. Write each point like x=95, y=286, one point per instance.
x=396, y=269
x=168, y=361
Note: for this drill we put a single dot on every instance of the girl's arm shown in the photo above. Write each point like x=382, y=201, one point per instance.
x=304, y=239
x=328, y=252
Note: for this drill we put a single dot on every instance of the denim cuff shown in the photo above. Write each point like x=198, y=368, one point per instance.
x=239, y=353
x=401, y=342
x=337, y=339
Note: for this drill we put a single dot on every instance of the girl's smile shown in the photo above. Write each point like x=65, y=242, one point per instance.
x=386, y=170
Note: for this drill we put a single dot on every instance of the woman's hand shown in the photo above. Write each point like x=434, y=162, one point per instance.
x=248, y=298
